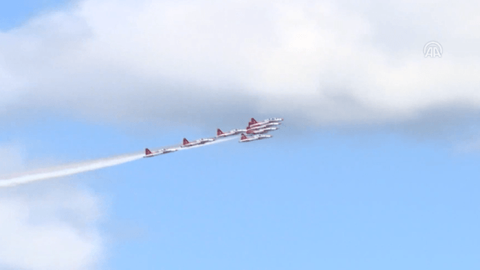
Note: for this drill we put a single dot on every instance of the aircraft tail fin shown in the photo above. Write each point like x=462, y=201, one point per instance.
x=147, y=152
x=219, y=132
x=253, y=121
x=243, y=137
x=185, y=141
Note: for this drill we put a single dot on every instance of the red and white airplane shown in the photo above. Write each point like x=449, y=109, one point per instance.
x=261, y=131
x=249, y=127
x=264, y=125
x=270, y=121
x=186, y=143
x=253, y=138
x=149, y=153
x=232, y=132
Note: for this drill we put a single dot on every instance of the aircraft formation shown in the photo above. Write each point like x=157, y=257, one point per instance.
x=253, y=132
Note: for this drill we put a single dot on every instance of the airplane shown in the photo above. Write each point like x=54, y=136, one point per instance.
x=254, y=122
x=230, y=133
x=186, y=143
x=264, y=123
x=262, y=126
x=253, y=138
x=249, y=127
x=261, y=131
x=149, y=153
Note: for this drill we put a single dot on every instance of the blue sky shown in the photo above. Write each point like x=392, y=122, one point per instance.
x=319, y=201
x=14, y=13
x=310, y=198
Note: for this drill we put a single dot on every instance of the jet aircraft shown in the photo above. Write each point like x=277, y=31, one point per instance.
x=274, y=121
x=149, y=153
x=262, y=126
x=261, y=131
x=253, y=138
x=186, y=143
x=232, y=132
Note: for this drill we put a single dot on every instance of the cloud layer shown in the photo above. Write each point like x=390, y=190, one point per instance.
x=324, y=62
x=47, y=227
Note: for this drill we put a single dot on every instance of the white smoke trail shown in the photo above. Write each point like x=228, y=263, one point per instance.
x=86, y=166
x=68, y=169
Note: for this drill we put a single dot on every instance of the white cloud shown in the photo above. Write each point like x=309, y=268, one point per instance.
x=326, y=62
x=51, y=228
x=11, y=157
